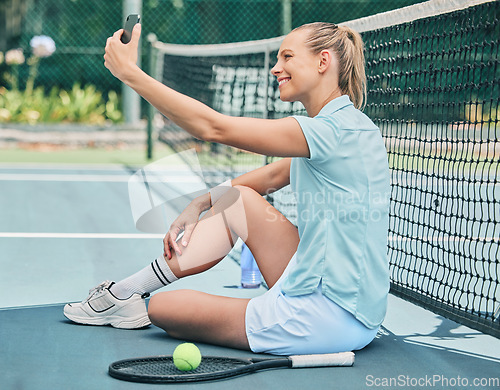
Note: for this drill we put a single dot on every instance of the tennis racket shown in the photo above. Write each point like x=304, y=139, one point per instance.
x=161, y=369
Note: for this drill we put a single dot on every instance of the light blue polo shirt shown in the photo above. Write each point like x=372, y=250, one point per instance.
x=342, y=192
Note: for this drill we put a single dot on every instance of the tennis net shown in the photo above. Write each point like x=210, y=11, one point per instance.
x=433, y=89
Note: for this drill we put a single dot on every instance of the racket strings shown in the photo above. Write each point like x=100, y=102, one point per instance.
x=164, y=366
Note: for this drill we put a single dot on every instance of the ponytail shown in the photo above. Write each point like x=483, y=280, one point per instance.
x=349, y=48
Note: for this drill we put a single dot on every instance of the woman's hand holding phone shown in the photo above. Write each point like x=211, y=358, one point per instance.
x=121, y=58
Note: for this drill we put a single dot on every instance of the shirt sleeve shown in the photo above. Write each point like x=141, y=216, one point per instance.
x=322, y=136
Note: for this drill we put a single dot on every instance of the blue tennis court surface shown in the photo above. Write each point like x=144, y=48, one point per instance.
x=65, y=229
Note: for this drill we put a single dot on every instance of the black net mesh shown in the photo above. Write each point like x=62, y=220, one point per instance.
x=434, y=92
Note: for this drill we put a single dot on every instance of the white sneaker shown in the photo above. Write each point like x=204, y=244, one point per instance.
x=102, y=308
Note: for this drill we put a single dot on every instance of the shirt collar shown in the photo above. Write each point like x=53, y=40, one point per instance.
x=335, y=105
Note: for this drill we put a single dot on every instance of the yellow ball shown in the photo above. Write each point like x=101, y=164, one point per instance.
x=187, y=357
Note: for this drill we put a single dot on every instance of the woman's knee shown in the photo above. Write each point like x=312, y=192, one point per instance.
x=156, y=308
x=167, y=309
x=234, y=207
x=161, y=307
x=247, y=192
x=236, y=193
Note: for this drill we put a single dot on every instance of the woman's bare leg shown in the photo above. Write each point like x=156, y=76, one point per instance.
x=214, y=319
x=197, y=316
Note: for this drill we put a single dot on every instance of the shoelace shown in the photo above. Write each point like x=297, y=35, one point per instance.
x=97, y=289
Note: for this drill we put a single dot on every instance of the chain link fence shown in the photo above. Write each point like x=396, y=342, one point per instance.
x=80, y=28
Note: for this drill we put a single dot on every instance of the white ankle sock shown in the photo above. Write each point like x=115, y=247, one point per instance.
x=156, y=275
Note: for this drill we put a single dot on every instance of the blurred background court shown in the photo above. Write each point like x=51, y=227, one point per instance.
x=71, y=137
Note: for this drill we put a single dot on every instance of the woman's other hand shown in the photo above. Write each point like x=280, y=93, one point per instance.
x=185, y=222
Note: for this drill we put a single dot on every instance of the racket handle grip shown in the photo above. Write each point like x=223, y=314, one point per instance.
x=324, y=360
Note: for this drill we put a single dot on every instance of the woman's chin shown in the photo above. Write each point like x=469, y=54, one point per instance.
x=285, y=98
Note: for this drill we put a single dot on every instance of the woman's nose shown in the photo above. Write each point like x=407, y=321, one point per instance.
x=275, y=71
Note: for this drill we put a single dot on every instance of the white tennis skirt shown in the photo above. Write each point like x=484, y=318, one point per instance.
x=308, y=324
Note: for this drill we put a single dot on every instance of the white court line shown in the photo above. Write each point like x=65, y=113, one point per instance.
x=87, y=178
x=150, y=236
x=81, y=235
x=82, y=166
x=62, y=177
x=63, y=167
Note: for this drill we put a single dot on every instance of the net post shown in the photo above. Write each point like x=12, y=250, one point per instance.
x=151, y=110
x=265, y=113
x=286, y=11
x=266, y=83
x=130, y=99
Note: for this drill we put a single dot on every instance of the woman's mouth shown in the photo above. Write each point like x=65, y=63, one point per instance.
x=283, y=81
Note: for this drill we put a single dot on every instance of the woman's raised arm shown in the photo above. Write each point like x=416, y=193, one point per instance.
x=273, y=137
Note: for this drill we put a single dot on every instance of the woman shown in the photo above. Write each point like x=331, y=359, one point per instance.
x=328, y=276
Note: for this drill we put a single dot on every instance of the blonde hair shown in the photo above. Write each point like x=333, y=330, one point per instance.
x=349, y=48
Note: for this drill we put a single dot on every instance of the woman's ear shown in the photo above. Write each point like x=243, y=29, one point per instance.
x=325, y=60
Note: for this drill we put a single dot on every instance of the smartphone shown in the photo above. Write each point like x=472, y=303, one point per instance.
x=131, y=21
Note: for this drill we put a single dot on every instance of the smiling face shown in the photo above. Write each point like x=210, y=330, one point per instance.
x=297, y=68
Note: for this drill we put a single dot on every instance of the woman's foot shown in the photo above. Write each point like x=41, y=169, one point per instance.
x=102, y=308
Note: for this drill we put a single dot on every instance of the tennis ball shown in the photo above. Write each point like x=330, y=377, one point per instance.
x=187, y=357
